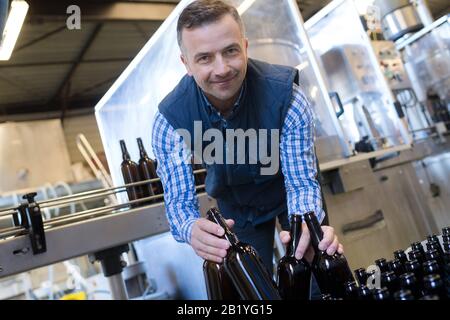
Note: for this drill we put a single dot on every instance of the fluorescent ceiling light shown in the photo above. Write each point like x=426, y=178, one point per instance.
x=16, y=17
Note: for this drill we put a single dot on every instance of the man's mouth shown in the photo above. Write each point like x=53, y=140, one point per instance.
x=225, y=81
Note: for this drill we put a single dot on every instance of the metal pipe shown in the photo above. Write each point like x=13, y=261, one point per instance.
x=92, y=192
x=117, y=286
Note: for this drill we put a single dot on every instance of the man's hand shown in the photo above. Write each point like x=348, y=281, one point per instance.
x=329, y=243
x=206, y=241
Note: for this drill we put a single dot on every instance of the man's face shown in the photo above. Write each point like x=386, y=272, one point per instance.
x=216, y=56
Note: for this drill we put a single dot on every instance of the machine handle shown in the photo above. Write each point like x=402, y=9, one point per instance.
x=334, y=95
x=363, y=223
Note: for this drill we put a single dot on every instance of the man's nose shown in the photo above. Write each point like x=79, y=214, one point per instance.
x=221, y=67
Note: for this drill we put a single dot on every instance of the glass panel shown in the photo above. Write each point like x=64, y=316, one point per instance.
x=347, y=58
x=429, y=60
x=128, y=108
x=276, y=35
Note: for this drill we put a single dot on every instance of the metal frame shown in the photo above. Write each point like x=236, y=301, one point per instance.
x=400, y=46
x=87, y=236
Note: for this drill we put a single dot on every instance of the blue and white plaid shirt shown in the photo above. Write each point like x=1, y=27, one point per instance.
x=298, y=164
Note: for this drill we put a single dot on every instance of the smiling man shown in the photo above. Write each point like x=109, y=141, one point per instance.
x=225, y=90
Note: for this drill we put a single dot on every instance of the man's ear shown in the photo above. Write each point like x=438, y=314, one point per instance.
x=184, y=60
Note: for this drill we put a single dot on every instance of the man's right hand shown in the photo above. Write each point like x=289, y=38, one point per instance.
x=206, y=241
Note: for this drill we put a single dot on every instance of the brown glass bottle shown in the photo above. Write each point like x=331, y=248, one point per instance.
x=433, y=254
x=294, y=276
x=351, y=290
x=390, y=281
x=434, y=239
x=433, y=285
x=244, y=266
x=330, y=271
x=403, y=294
x=218, y=284
x=408, y=281
x=416, y=255
x=415, y=267
x=446, y=231
x=382, y=264
x=446, y=259
x=397, y=267
x=432, y=267
x=362, y=276
x=418, y=246
x=381, y=294
x=130, y=174
x=401, y=256
x=364, y=293
x=146, y=167
x=434, y=246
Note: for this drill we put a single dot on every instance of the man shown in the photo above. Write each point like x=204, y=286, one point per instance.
x=225, y=90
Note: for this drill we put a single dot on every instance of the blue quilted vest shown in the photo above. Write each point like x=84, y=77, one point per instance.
x=242, y=193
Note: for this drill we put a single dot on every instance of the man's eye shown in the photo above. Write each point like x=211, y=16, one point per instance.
x=203, y=59
x=232, y=50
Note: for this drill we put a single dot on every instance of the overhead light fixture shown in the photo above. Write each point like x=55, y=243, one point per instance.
x=16, y=17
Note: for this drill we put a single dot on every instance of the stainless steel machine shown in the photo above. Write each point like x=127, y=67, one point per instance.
x=420, y=123
x=103, y=233
x=374, y=198
x=426, y=55
x=370, y=119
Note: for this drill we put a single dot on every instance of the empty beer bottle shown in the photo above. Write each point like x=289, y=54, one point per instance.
x=381, y=294
x=403, y=294
x=330, y=271
x=408, y=281
x=146, y=168
x=326, y=297
x=434, y=246
x=218, y=284
x=364, y=293
x=432, y=267
x=445, y=238
x=433, y=254
x=447, y=267
x=401, y=256
x=382, y=264
x=362, y=276
x=130, y=174
x=418, y=246
x=294, y=276
x=416, y=268
x=244, y=266
x=446, y=231
x=433, y=285
x=390, y=281
x=351, y=290
x=416, y=255
x=396, y=267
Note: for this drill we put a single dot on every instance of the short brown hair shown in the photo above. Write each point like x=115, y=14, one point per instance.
x=202, y=12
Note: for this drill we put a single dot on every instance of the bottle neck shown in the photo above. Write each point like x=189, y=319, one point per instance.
x=296, y=232
x=315, y=231
x=215, y=216
x=142, y=151
x=125, y=154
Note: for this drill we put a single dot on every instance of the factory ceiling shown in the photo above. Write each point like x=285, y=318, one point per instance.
x=55, y=71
